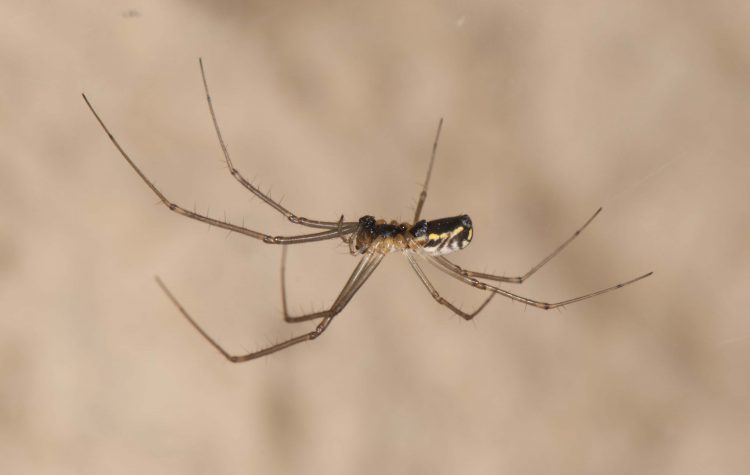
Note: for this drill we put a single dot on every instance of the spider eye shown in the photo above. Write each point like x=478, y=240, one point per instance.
x=367, y=222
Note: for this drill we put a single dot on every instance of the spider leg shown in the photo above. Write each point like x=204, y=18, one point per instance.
x=361, y=273
x=423, y=194
x=515, y=280
x=238, y=176
x=288, y=318
x=338, y=230
x=436, y=295
x=535, y=303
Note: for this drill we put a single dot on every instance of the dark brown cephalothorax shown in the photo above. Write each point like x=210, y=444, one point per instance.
x=368, y=238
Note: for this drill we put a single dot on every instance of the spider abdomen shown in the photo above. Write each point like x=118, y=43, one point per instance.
x=445, y=235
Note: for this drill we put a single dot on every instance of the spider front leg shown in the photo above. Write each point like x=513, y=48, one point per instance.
x=338, y=229
x=238, y=176
x=361, y=273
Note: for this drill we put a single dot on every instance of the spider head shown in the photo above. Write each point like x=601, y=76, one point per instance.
x=445, y=235
x=367, y=223
x=363, y=236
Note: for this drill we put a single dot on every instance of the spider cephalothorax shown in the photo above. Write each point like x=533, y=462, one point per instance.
x=371, y=239
x=377, y=235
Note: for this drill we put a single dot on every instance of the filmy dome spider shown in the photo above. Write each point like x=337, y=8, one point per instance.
x=369, y=238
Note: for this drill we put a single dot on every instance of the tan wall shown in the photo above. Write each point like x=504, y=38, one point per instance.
x=552, y=109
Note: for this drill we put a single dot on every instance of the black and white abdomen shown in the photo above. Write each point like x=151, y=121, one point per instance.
x=443, y=236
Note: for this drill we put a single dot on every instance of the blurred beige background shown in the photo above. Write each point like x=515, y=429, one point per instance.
x=552, y=109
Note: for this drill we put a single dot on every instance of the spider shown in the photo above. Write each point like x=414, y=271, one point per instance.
x=367, y=237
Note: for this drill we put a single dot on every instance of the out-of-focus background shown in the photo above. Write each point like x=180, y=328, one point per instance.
x=552, y=109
